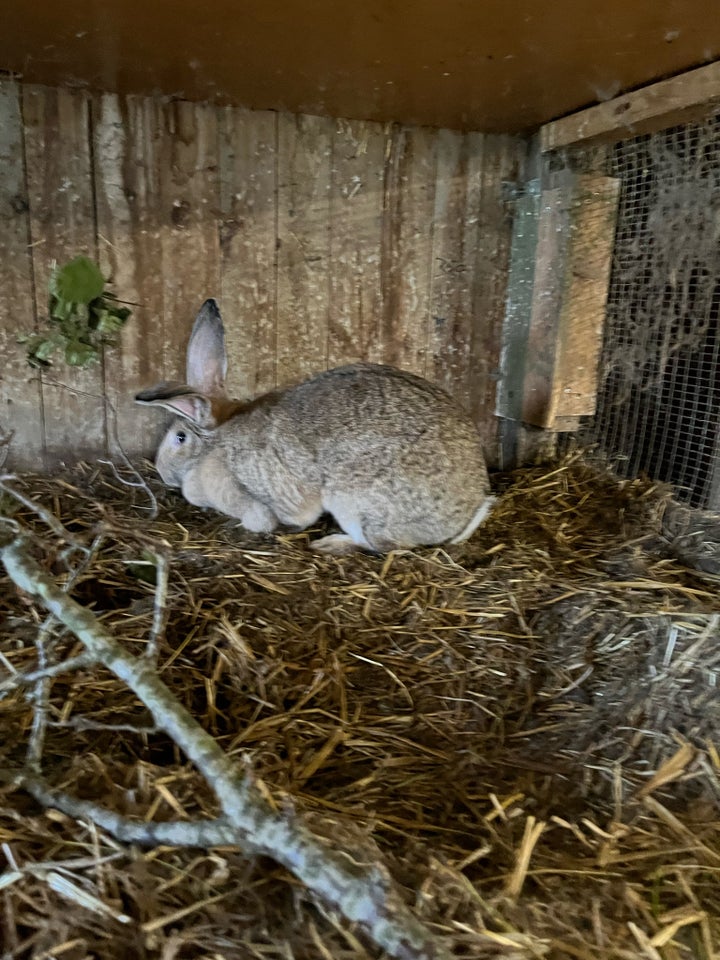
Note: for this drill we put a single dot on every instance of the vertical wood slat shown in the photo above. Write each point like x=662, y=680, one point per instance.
x=326, y=241
x=574, y=250
x=356, y=228
x=62, y=224
x=455, y=234
x=127, y=139
x=304, y=149
x=189, y=210
x=509, y=401
x=582, y=318
x=248, y=186
x=407, y=247
x=20, y=395
x=499, y=168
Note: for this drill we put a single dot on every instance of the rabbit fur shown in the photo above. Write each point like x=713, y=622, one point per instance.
x=391, y=456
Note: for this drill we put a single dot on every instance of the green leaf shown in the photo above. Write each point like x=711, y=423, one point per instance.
x=79, y=281
x=60, y=309
x=44, y=349
x=109, y=324
x=82, y=316
x=38, y=364
x=78, y=354
x=145, y=569
x=40, y=349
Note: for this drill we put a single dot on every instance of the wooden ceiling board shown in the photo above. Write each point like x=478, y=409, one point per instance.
x=491, y=65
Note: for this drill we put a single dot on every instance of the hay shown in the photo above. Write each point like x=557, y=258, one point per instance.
x=525, y=726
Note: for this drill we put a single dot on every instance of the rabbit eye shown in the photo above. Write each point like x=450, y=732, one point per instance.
x=180, y=436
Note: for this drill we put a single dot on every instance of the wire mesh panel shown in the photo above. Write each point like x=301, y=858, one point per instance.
x=659, y=396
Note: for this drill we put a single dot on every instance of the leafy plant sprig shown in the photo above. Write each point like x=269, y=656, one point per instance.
x=83, y=316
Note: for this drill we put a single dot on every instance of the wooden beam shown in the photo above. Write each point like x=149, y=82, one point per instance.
x=688, y=96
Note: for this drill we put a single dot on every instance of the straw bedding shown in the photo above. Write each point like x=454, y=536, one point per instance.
x=524, y=727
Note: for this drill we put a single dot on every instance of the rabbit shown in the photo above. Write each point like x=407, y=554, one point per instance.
x=390, y=456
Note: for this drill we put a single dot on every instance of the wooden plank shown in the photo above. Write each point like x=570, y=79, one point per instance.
x=127, y=145
x=356, y=229
x=304, y=147
x=551, y=254
x=688, y=96
x=21, y=410
x=455, y=222
x=496, y=163
x=248, y=191
x=189, y=197
x=575, y=239
x=407, y=247
x=582, y=318
x=516, y=328
x=62, y=225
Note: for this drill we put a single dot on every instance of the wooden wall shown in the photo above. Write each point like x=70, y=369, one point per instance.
x=325, y=241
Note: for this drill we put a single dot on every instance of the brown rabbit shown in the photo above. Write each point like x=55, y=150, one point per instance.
x=391, y=456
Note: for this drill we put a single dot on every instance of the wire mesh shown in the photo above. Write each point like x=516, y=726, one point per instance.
x=659, y=397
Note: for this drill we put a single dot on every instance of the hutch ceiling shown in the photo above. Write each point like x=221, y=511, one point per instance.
x=496, y=66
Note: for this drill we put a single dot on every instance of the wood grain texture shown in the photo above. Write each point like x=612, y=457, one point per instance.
x=572, y=269
x=127, y=138
x=248, y=188
x=551, y=255
x=519, y=300
x=326, y=241
x=680, y=99
x=582, y=317
x=21, y=412
x=189, y=199
x=356, y=230
x=304, y=152
x=62, y=225
x=455, y=234
x=496, y=162
x=407, y=247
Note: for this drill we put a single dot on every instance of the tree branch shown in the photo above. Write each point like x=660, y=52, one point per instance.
x=364, y=893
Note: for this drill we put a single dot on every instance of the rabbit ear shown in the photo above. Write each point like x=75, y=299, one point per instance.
x=182, y=400
x=206, y=356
